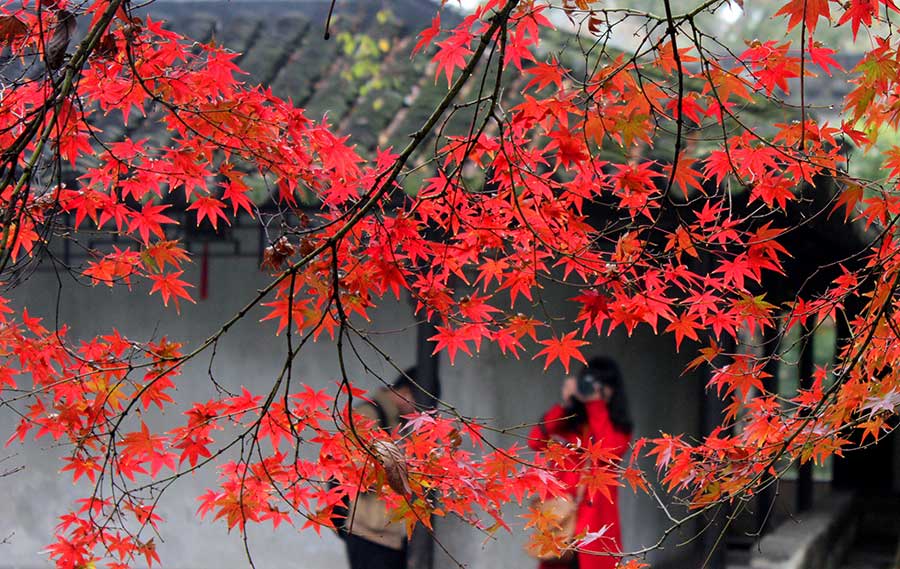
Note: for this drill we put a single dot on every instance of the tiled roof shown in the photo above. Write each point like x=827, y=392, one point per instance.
x=362, y=78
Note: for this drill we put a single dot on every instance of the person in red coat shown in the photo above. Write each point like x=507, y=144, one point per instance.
x=593, y=406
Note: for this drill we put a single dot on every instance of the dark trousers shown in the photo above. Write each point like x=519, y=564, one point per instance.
x=365, y=554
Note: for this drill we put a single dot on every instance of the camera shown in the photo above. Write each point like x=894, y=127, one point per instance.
x=588, y=383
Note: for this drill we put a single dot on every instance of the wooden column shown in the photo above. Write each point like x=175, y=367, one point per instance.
x=874, y=469
x=805, y=376
x=420, y=553
x=711, y=412
x=427, y=367
x=765, y=499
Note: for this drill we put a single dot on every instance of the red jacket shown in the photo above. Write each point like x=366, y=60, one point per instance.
x=596, y=513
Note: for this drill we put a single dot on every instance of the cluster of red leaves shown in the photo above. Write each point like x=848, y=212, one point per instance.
x=696, y=278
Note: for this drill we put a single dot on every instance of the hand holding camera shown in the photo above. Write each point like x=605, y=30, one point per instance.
x=569, y=389
x=586, y=387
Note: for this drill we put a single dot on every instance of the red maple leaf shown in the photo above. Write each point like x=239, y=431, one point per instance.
x=428, y=34
x=563, y=348
x=546, y=74
x=149, y=220
x=821, y=56
x=236, y=192
x=808, y=11
x=859, y=12
x=170, y=286
x=451, y=54
x=452, y=339
x=685, y=326
x=210, y=208
x=194, y=448
x=82, y=465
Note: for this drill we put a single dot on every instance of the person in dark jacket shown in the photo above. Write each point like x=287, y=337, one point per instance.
x=593, y=407
x=373, y=541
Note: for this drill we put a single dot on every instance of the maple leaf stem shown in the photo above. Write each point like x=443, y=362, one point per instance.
x=327, y=34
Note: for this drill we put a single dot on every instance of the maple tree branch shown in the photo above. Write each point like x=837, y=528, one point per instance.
x=677, y=523
x=527, y=214
x=383, y=182
x=61, y=93
x=785, y=446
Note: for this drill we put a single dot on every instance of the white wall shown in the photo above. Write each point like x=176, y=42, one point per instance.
x=489, y=385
